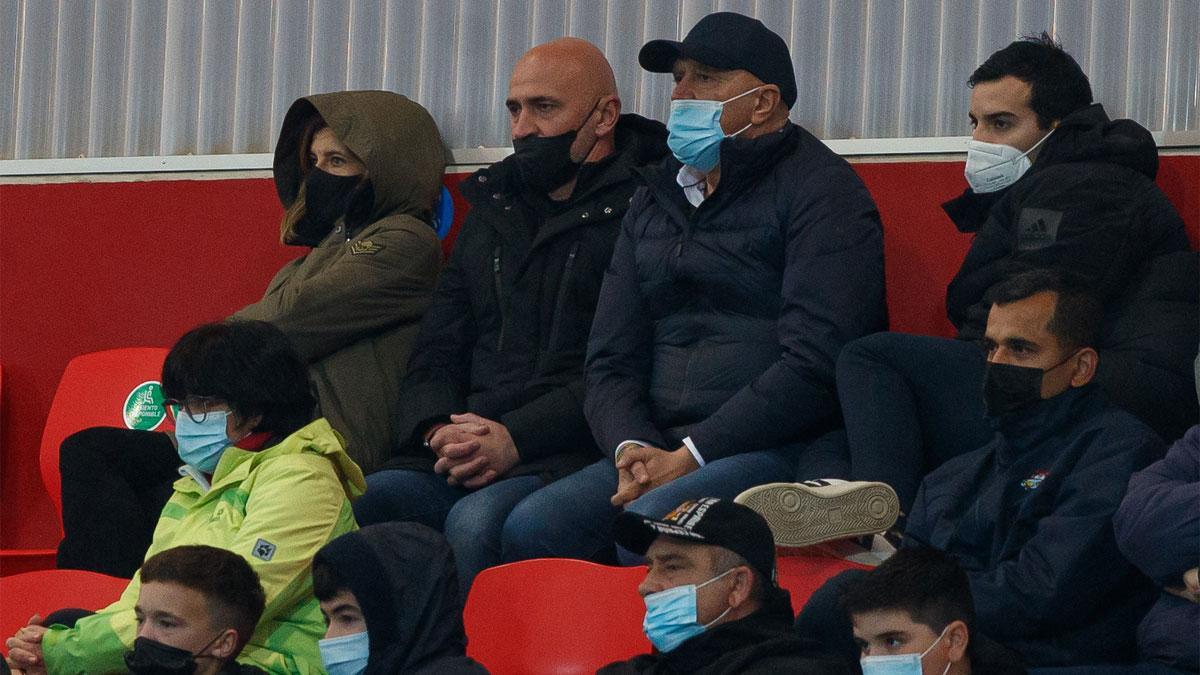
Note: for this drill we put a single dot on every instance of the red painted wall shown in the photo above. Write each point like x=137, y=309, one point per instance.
x=88, y=266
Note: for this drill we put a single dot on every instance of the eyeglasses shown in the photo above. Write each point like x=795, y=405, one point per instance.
x=196, y=407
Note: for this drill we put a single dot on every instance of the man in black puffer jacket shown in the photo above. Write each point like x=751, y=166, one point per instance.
x=492, y=406
x=741, y=269
x=1055, y=185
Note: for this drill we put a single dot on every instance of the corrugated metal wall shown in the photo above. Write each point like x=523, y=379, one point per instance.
x=109, y=78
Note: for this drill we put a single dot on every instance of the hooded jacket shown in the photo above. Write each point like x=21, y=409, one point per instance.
x=404, y=579
x=275, y=507
x=762, y=643
x=506, y=335
x=1158, y=529
x=723, y=322
x=1089, y=206
x=1029, y=517
x=352, y=304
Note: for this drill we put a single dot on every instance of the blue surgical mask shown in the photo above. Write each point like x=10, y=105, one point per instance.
x=201, y=444
x=694, y=131
x=345, y=655
x=898, y=664
x=671, y=615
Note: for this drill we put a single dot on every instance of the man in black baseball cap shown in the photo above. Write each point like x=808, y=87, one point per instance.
x=712, y=605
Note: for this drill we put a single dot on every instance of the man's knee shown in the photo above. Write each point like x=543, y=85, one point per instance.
x=89, y=450
x=531, y=529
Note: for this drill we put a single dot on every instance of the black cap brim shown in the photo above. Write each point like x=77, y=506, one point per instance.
x=635, y=533
x=659, y=56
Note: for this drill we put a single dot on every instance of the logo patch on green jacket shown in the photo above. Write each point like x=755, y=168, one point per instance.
x=365, y=247
x=263, y=550
x=144, y=409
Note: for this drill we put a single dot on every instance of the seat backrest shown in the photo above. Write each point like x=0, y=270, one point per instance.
x=45, y=591
x=113, y=388
x=803, y=574
x=554, y=616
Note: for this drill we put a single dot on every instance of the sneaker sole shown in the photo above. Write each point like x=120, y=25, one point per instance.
x=800, y=516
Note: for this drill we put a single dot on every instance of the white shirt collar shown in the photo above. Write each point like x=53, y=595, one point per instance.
x=692, y=181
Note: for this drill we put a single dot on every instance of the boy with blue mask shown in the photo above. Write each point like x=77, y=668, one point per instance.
x=390, y=597
x=913, y=615
x=712, y=604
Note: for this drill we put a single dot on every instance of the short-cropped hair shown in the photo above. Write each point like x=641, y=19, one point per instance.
x=229, y=585
x=326, y=582
x=925, y=583
x=1078, y=313
x=251, y=365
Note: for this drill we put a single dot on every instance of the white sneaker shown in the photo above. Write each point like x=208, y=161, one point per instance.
x=815, y=511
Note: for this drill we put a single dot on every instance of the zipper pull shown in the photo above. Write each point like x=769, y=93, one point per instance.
x=679, y=249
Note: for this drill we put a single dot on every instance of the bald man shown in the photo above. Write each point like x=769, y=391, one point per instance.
x=492, y=406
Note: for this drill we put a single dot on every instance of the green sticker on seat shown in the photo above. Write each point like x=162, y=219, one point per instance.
x=144, y=408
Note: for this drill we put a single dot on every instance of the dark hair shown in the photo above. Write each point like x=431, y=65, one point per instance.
x=234, y=596
x=925, y=583
x=250, y=365
x=1057, y=84
x=1078, y=314
x=326, y=582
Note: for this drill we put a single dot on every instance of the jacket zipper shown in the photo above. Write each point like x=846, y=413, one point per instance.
x=499, y=298
x=561, y=302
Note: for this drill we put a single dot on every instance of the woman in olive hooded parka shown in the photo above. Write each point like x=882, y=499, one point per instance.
x=351, y=305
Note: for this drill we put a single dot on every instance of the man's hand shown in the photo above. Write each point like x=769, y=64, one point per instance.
x=25, y=648
x=485, y=452
x=643, y=469
x=1191, y=586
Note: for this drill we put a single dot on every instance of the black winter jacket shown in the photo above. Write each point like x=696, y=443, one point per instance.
x=723, y=322
x=1029, y=517
x=1089, y=205
x=763, y=642
x=507, y=332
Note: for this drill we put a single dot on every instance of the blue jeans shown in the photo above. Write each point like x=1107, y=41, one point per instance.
x=472, y=520
x=572, y=517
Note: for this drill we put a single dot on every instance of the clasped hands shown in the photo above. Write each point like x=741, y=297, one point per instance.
x=472, y=451
x=644, y=468
x=25, y=648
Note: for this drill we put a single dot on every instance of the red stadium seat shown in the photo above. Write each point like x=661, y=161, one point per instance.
x=101, y=389
x=48, y=590
x=802, y=574
x=554, y=616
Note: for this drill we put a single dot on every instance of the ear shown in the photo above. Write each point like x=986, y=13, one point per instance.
x=226, y=645
x=1085, y=367
x=610, y=113
x=743, y=583
x=769, y=99
x=957, y=637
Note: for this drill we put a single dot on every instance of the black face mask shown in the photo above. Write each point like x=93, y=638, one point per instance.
x=151, y=657
x=1008, y=388
x=544, y=163
x=326, y=198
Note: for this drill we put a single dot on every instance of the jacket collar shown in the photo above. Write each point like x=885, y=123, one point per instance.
x=1029, y=428
x=744, y=161
x=316, y=437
